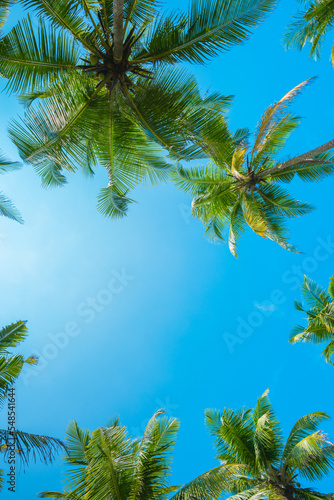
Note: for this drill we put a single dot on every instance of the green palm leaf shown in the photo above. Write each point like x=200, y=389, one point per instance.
x=30, y=58
x=209, y=27
x=311, y=26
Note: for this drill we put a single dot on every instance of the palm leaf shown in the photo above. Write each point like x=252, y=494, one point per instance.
x=35, y=446
x=11, y=335
x=30, y=59
x=61, y=14
x=281, y=202
x=209, y=27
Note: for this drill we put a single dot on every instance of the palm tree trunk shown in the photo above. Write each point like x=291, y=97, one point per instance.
x=297, y=160
x=118, y=30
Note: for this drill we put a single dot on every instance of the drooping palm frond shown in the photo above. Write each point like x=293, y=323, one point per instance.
x=253, y=439
x=311, y=26
x=239, y=188
x=7, y=208
x=25, y=445
x=320, y=317
x=31, y=446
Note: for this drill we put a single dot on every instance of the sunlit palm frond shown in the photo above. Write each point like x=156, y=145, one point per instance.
x=31, y=446
x=11, y=335
x=61, y=14
x=310, y=26
x=209, y=27
x=272, y=117
x=31, y=57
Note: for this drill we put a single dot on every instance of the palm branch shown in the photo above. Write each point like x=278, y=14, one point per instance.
x=310, y=27
x=7, y=209
x=98, y=82
x=25, y=445
x=320, y=317
x=252, y=439
x=239, y=186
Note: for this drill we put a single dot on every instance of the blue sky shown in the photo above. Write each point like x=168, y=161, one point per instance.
x=161, y=335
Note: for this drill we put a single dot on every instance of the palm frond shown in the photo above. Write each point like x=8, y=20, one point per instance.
x=328, y=352
x=30, y=58
x=209, y=485
x=310, y=27
x=63, y=15
x=302, y=428
x=272, y=115
x=313, y=294
x=11, y=335
x=209, y=27
x=281, y=202
x=35, y=446
x=8, y=209
x=312, y=170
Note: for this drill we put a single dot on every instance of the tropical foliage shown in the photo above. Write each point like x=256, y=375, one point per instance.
x=320, y=317
x=270, y=468
x=310, y=26
x=240, y=186
x=96, y=109
x=26, y=445
x=7, y=209
x=110, y=464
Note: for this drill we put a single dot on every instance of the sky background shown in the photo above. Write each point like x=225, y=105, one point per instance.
x=163, y=338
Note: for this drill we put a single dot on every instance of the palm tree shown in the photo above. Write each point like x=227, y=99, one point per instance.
x=109, y=464
x=26, y=445
x=268, y=467
x=320, y=317
x=7, y=208
x=238, y=188
x=107, y=86
x=311, y=26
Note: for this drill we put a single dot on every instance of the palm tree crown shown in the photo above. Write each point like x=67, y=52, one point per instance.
x=239, y=186
x=311, y=26
x=320, y=317
x=252, y=439
x=109, y=464
x=105, y=101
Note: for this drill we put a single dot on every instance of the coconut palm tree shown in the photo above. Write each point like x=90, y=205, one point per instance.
x=107, y=86
x=320, y=317
x=270, y=468
x=109, y=464
x=25, y=445
x=239, y=187
x=311, y=26
x=7, y=209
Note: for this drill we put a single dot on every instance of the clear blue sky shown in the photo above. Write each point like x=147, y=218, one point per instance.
x=159, y=339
